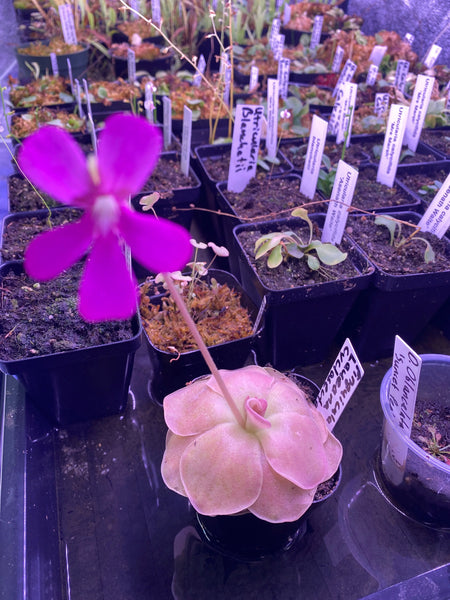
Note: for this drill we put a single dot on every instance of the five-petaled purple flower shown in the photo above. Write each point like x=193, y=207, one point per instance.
x=128, y=151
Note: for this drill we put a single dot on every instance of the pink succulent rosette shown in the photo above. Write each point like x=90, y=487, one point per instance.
x=271, y=467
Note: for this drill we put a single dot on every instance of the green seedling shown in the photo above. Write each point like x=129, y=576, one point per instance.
x=398, y=240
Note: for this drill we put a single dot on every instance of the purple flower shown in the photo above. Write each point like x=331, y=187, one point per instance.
x=128, y=151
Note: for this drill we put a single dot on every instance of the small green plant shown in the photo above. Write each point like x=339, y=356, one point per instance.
x=398, y=240
x=430, y=188
x=378, y=149
x=279, y=246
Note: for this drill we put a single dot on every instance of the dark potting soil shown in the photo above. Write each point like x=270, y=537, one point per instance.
x=19, y=232
x=42, y=318
x=370, y=195
x=296, y=153
x=218, y=166
x=439, y=140
x=22, y=196
x=266, y=198
x=431, y=427
x=420, y=156
x=294, y=272
x=398, y=260
x=166, y=177
x=423, y=184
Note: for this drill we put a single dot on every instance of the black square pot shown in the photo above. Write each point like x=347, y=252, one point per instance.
x=169, y=372
x=301, y=323
x=77, y=385
x=394, y=305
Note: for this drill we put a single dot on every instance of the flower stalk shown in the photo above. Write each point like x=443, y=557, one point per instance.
x=203, y=349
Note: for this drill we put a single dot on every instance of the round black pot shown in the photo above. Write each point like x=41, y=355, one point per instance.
x=248, y=538
x=78, y=61
x=169, y=372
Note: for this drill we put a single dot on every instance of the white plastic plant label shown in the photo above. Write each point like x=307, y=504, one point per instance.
x=156, y=12
x=90, y=119
x=245, y=146
x=284, y=67
x=345, y=117
x=225, y=70
x=201, y=66
x=287, y=14
x=316, y=31
x=341, y=198
x=314, y=152
x=337, y=59
x=78, y=97
x=437, y=216
x=186, y=141
x=167, y=121
x=381, y=104
x=376, y=56
x=54, y=63
x=67, y=23
x=69, y=69
x=341, y=382
x=254, y=74
x=134, y=4
x=274, y=33
x=346, y=75
x=401, y=73
x=372, y=75
x=131, y=64
x=272, y=117
x=409, y=38
x=418, y=110
x=432, y=55
x=278, y=47
x=406, y=366
x=392, y=144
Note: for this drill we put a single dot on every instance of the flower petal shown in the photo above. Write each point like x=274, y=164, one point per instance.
x=55, y=250
x=128, y=150
x=289, y=432
x=108, y=289
x=158, y=244
x=170, y=466
x=280, y=500
x=194, y=409
x=55, y=164
x=221, y=470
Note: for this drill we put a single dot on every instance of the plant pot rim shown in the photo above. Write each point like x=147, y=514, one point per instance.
x=441, y=359
x=188, y=353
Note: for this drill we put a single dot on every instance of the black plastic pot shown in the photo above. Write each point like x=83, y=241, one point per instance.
x=394, y=305
x=39, y=218
x=214, y=201
x=301, y=323
x=149, y=66
x=431, y=171
x=169, y=372
x=78, y=61
x=77, y=385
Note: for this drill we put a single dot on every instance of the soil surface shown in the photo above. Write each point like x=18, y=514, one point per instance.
x=22, y=196
x=18, y=232
x=371, y=195
x=400, y=260
x=217, y=167
x=265, y=198
x=294, y=272
x=423, y=184
x=42, y=318
x=439, y=140
x=431, y=428
x=295, y=152
x=167, y=177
